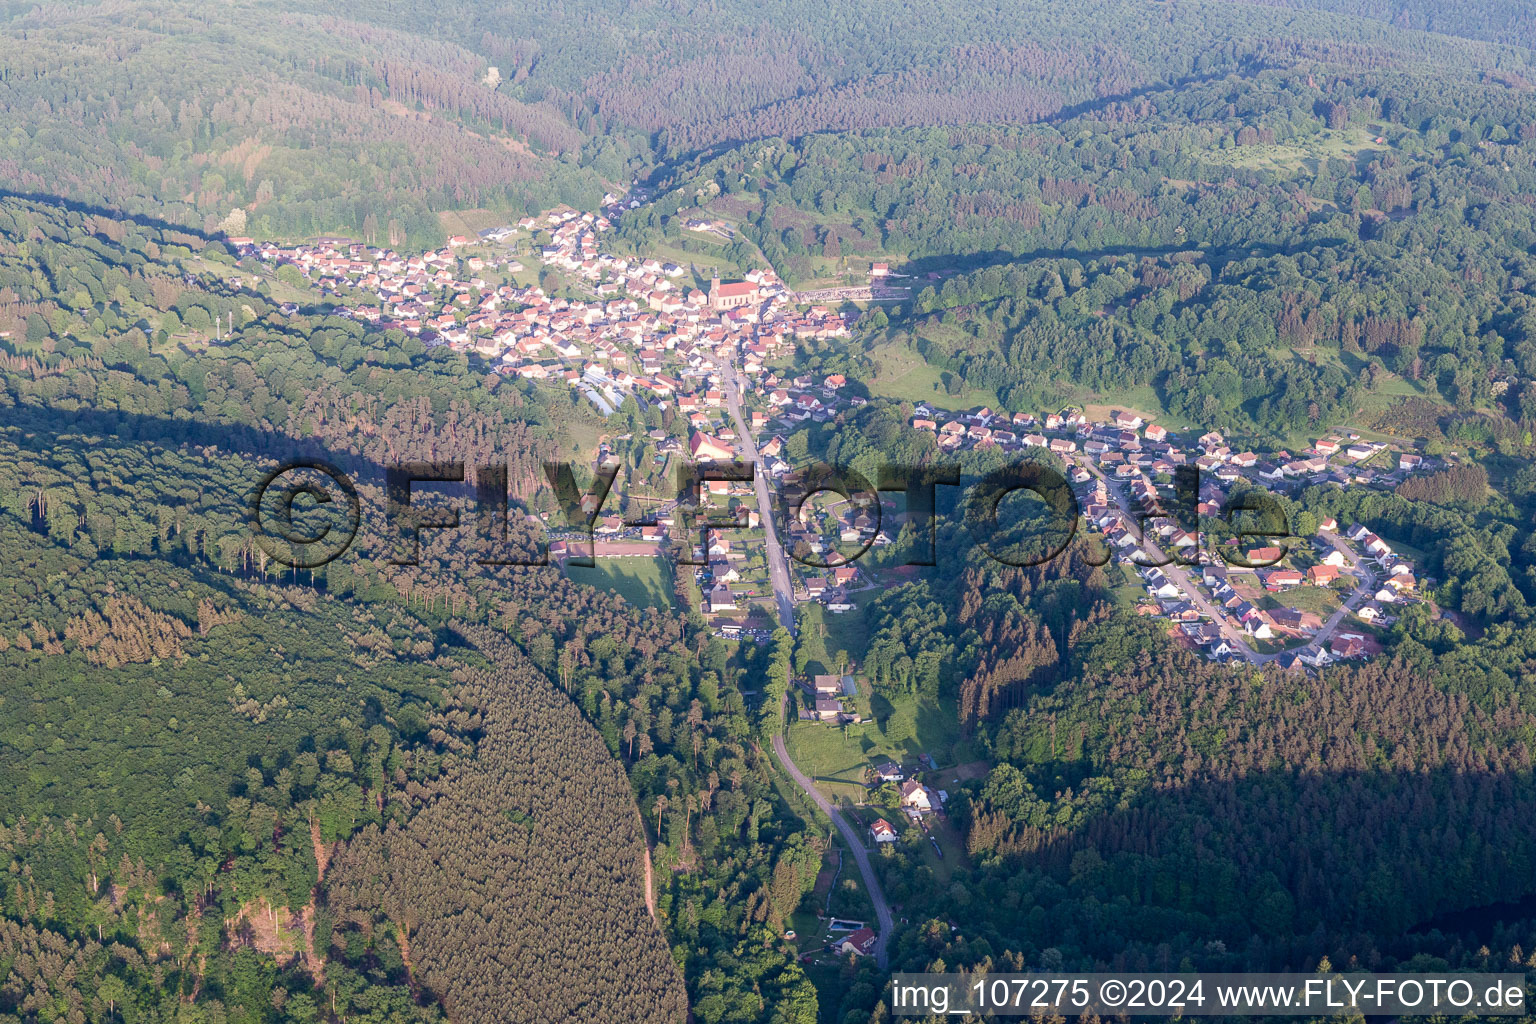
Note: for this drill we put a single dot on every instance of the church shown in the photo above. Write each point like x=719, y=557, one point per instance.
x=734, y=295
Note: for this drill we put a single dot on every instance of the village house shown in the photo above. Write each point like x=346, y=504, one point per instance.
x=1375, y=545
x=721, y=599
x=1296, y=619
x=915, y=796
x=1159, y=585
x=1314, y=657
x=704, y=448
x=858, y=943
x=1259, y=558
x=1322, y=575
x=1348, y=645
x=825, y=686
x=1280, y=579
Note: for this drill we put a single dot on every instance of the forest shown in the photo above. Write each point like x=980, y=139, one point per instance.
x=369, y=119
x=1233, y=249
x=1144, y=809
x=282, y=827
x=446, y=791
x=226, y=764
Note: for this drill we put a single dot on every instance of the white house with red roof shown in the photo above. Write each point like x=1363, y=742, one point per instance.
x=705, y=448
x=859, y=943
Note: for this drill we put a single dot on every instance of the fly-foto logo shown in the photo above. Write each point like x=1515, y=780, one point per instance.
x=306, y=513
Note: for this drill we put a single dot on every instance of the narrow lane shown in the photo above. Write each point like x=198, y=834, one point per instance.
x=855, y=846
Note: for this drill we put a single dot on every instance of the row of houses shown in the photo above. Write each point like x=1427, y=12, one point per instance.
x=642, y=331
x=1125, y=445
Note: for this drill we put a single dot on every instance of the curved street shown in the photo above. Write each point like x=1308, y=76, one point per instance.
x=778, y=574
x=855, y=846
x=1178, y=572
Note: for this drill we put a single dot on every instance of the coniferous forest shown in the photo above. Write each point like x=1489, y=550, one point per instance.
x=237, y=791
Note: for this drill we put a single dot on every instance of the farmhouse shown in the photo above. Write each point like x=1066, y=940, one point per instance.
x=916, y=796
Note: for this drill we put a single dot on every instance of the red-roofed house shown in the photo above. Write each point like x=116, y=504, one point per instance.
x=859, y=943
x=705, y=448
x=1322, y=575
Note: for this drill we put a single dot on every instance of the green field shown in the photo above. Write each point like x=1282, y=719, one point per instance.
x=1322, y=600
x=904, y=374
x=904, y=728
x=643, y=582
x=1346, y=143
x=1126, y=587
x=702, y=252
x=846, y=631
x=472, y=222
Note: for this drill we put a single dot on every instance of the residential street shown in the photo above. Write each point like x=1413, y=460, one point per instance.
x=778, y=573
x=1179, y=574
x=778, y=564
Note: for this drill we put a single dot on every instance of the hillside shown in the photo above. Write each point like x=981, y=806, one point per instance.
x=519, y=885
x=195, y=729
x=369, y=119
x=375, y=282
x=296, y=124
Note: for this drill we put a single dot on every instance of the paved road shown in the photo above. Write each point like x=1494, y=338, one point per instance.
x=1361, y=594
x=1175, y=571
x=778, y=565
x=855, y=846
x=1179, y=574
x=778, y=574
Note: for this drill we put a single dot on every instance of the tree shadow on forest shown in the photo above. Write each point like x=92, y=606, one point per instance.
x=1219, y=255
x=1398, y=863
x=1248, y=67
x=112, y=213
